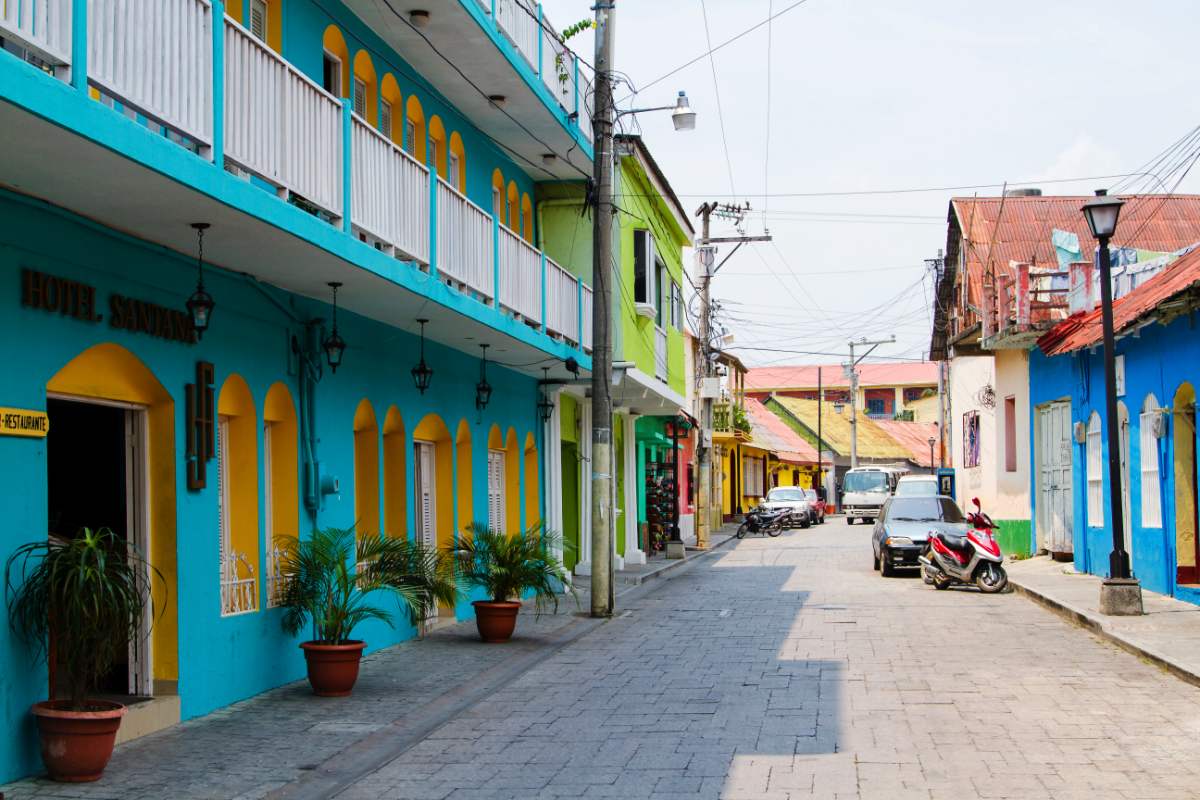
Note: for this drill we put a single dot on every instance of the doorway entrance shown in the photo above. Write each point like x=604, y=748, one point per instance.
x=1054, y=517
x=95, y=477
x=1187, y=551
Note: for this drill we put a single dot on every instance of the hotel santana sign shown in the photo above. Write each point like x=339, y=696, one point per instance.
x=77, y=300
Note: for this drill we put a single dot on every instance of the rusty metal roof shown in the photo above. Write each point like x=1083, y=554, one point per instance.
x=923, y=373
x=771, y=433
x=913, y=436
x=1084, y=328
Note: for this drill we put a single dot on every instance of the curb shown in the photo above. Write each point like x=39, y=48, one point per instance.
x=672, y=566
x=1096, y=626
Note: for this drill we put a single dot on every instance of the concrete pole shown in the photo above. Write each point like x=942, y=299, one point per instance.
x=703, y=449
x=853, y=409
x=602, y=411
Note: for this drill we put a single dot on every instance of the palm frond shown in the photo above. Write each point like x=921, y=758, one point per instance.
x=508, y=567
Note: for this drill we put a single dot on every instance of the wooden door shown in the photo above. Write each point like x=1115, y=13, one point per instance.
x=1054, y=478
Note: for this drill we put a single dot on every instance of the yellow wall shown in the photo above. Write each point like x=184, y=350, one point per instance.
x=335, y=43
x=456, y=147
x=366, y=470
x=1184, y=424
x=533, y=490
x=437, y=140
x=512, y=483
x=464, y=491
x=389, y=90
x=414, y=112
x=395, y=498
x=110, y=372
x=279, y=412
x=236, y=405
x=364, y=70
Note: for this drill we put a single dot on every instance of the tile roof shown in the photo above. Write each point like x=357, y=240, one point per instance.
x=913, y=436
x=1022, y=233
x=769, y=432
x=920, y=373
x=1084, y=328
x=873, y=442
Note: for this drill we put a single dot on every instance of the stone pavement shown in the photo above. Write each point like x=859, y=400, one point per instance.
x=776, y=668
x=1167, y=634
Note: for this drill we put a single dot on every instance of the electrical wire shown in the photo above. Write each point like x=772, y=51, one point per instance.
x=717, y=91
x=767, y=126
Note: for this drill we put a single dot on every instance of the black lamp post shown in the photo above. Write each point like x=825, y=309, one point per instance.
x=932, y=442
x=483, y=389
x=422, y=374
x=1102, y=214
x=334, y=345
x=200, y=305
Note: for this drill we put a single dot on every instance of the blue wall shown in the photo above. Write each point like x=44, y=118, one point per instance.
x=221, y=659
x=1157, y=362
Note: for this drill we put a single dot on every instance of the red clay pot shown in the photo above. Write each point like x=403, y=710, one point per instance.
x=76, y=745
x=496, y=621
x=332, y=668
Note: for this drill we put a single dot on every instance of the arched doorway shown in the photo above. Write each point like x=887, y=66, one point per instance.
x=433, y=487
x=533, y=491
x=109, y=396
x=395, y=491
x=366, y=471
x=1126, y=514
x=1184, y=447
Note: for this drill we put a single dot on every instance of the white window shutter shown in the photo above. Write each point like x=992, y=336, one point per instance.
x=1151, y=502
x=258, y=19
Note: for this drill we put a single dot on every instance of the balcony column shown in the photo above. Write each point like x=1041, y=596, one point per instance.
x=543, y=254
x=79, y=46
x=218, y=83
x=347, y=162
x=433, y=220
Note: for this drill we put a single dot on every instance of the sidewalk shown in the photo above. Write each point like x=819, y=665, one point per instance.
x=1168, y=634
x=659, y=565
x=288, y=743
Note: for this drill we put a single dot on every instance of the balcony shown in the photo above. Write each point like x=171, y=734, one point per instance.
x=219, y=97
x=1021, y=306
x=730, y=423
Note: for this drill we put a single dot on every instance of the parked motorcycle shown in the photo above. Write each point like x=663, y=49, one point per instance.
x=762, y=520
x=971, y=559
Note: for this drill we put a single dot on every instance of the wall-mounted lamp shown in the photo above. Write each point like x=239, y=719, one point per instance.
x=421, y=373
x=200, y=304
x=483, y=389
x=545, y=404
x=418, y=17
x=334, y=345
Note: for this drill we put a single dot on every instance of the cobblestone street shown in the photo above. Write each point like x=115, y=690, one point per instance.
x=777, y=668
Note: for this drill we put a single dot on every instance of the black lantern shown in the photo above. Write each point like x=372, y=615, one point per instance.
x=545, y=404
x=200, y=304
x=421, y=373
x=483, y=389
x=1102, y=214
x=334, y=345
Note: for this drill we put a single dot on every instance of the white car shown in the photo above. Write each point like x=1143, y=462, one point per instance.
x=794, y=499
x=917, y=486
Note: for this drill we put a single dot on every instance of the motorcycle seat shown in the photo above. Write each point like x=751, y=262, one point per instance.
x=956, y=543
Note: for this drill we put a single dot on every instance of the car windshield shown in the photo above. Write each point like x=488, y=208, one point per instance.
x=865, y=482
x=921, y=488
x=810, y=494
x=924, y=509
x=784, y=495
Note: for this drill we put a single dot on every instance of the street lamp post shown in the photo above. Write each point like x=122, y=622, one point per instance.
x=932, y=442
x=1120, y=594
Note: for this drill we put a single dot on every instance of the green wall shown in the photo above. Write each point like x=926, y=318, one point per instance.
x=1013, y=536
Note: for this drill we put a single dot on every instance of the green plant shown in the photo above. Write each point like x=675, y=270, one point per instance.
x=85, y=598
x=506, y=567
x=328, y=579
x=560, y=63
x=741, y=422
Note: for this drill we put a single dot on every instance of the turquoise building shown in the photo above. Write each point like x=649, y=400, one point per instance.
x=375, y=175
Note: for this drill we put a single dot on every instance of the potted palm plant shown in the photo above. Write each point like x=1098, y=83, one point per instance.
x=329, y=585
x=82, y=599
x=506, y=568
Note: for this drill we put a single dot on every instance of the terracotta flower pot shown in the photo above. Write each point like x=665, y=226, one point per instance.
x=76, y=745
x=496, y=621
x=332, y=668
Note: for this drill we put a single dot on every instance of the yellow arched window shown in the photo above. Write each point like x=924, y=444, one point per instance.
x=498, y=195
x=263, y=18
x=237, y=497
x=512, y=212
x=456, y=163
x=335, y=69
x=433, y=485
x=512, y=483
x=497, y=480
x=437, y=140
x=395, y=493
x=414, y=128
x=533, y=493
x=465, y=507
x=365, y=94
x=527, y=218
x=281, y=472
x=366, y=471
x=389, y=107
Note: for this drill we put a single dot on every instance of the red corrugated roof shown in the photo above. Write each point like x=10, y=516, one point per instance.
x=1084, y=328
x=912, y=436
x=771, y=433
x=922, y=373
x=1162, y=223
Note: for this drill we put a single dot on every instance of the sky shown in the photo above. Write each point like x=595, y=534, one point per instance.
x=870, y=95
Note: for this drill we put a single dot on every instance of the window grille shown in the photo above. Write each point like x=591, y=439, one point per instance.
x=496, y=510
x=1151, y=499
x=258, y=19
x=385, y=118
x=360, y=98
x=1095, y=477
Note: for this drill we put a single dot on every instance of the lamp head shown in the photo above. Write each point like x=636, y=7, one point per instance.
x=1102, y=213
x=683, y=118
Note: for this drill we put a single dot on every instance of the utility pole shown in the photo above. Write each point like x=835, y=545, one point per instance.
x=602, y=412
x=853, y=370
x=705, y=258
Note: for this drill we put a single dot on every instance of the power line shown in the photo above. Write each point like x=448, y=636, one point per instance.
x=767, y=126
x=717, y=91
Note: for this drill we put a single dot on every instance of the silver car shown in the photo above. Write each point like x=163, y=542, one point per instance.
x=794, y=499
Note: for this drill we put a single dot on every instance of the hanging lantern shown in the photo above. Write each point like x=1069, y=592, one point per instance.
x=200, y=304
x=483, y=389
x=545, y=404
x=334, y=345
x=421, y=373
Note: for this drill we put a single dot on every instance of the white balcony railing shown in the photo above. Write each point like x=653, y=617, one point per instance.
x=587, y=319
x=43, y=26
x=390, y=192
x=464, y=242
x=518, y=20
x=156, y=56
x=562, y=302
x=279, y=124
x=660, y=353
x=239, y=588
x=520, y=276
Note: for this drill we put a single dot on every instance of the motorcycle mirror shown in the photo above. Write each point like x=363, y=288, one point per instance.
x=975, y=500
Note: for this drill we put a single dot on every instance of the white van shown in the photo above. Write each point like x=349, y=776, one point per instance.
x=917, y=486
x=864, y=490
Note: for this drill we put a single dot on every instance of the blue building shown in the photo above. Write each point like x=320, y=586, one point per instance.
x=400, y=156
x=1158, y=367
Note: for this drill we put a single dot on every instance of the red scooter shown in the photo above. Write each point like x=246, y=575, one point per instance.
x=971, y=559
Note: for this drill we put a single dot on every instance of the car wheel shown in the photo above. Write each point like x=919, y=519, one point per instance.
x=885, y=564
x=874, y=561
x=849, y=520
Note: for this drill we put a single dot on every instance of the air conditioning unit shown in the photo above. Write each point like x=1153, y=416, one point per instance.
x=1080, y=431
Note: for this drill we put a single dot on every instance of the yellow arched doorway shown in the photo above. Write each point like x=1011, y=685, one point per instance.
x=237, y=496
x=533, y=491
x=281, y=472
x=1187, y=555
x=395, y=492
x=109, y=376
x=366, y=470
